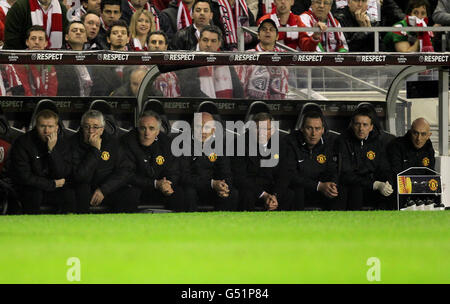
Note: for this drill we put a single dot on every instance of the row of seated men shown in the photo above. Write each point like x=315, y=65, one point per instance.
x=309, y=168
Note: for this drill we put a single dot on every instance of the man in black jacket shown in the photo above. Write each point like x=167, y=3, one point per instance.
x=40, y=165
x=100, y=168
x=187, y=38
x=155, y=170
x=260, y=185
x=355, y=15
x=365, y=169
x=315, y=173
x=414, y=149
x=206, y=174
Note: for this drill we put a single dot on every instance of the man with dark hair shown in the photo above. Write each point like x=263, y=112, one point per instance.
x=158, y=41
x=75, y=36
x=187, y=38
x=40, y=165
x=110, y=11
x=365, y=170
x=91, y=21
x=100, y=169
x=414, y=149
x=258, y=185
x=118, y=35
x=26, y=13
x=311, y=157
x=155, y=170
x=207, y=178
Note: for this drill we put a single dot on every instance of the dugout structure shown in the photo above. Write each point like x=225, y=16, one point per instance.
x=337, y=82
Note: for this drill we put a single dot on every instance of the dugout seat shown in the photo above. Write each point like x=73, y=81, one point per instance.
x=111, y=125
x=255, y=108
x=156, y=106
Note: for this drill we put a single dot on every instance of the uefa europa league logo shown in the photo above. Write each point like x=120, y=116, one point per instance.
x=74, y=5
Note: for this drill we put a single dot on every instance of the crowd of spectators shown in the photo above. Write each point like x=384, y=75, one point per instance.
x=129, y=25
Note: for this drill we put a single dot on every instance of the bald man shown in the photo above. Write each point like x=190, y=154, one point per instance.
x=206, y=178
x=414, y=149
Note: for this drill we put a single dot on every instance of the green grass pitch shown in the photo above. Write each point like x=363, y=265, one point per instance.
x=227, y=247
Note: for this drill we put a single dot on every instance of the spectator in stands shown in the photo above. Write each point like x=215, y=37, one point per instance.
x=108, y=78
x=40, y=166
x=35, y=80
x=156, y=171
x=355, y=15
x=315, y=172
x=416, y=15
x=75, y=36
x=131, y=87
x=319, y=16
x=87, y=5
x=261, y=186
x=414, y=149
x=100, y=170
x=283, y=17
x=187, y=38
x=234, y=14
x=211, y=81
x=5, y=5
x=142, y=23
x=365, y=168
x=91, y=21
x=441, y=16
x=110, y=11
x=266, y=7
x=74, y=80
x=161, y=21
x=207, y=178
x=161, y=4
x=265, y=82
x=179, y=13
x=26, y=13
x=167, y=83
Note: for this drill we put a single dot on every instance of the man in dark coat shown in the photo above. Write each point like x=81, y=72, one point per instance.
x=414, y=149
x=315, y=173
x=100, y=168
x=155, y=170
x=365, y=170
x=261, y=185
x=206, y=175
x=40, y=166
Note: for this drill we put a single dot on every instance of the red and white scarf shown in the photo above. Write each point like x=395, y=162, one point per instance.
x=333, y=41
x=259, y=48
x=52, y=22
x=103, y=24
x=149, y=8
x=215, y=81
x=233, y=19
x=424, y=37
x=268, y=7
x=168, y=84
x=184, y=15
x=292, y=22
x=137, y=46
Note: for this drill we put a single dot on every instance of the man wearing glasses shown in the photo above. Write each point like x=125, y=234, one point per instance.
x=319, y=16
x=100, y=170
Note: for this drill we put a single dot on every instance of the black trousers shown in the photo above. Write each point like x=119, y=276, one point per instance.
x=153, y=196
x=195, y=197
x=123, y=200
x=62, y=199
x=304, y=198
x=249, y=200
x=359, y=197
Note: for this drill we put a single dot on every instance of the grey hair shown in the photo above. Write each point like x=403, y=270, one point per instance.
x=150, y=113
x=95, y=114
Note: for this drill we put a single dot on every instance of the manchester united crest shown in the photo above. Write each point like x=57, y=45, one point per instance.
x=276, y=156
x=425, y=161
x=433, y=184
x=105, y=155
x=321, y=159
x=212, y=157
x=371, y=155
x=160, y=160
